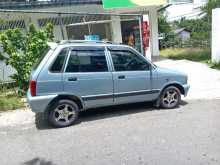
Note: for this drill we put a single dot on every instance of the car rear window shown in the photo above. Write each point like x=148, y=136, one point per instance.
x=40, y=58
x=87, y=61
x=58, y=64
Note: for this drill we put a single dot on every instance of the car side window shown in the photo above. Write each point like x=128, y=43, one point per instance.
x=87, y=61
x=125, y=60
x=58, y=64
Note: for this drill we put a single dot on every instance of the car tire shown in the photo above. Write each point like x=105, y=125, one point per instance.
x=63, y=113
x=170, y=97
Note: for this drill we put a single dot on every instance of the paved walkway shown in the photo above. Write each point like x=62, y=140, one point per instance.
x=204, y=81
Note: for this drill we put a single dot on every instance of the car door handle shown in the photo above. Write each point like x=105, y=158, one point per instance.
x=121, y=77
x=72, y=79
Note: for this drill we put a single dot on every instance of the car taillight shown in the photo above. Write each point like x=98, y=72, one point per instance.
x=32, y=85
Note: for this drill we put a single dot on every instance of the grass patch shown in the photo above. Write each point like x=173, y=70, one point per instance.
x=10, y=101
x=215, y=66
x=193, y=54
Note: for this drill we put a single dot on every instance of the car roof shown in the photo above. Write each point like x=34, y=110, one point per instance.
x=67, y=43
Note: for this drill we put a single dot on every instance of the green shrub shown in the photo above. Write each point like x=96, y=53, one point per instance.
x=215, y=66
x=10, y=102
x=23, y=50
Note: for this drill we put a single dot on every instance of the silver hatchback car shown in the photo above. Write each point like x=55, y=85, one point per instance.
x=76, y=75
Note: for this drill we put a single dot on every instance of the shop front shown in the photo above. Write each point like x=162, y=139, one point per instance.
x=92, y=21
x=103, y=30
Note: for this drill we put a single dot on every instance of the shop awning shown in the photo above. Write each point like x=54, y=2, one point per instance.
x=110, y=4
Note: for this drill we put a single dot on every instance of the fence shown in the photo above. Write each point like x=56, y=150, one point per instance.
x=191, y=43
x=5, y=72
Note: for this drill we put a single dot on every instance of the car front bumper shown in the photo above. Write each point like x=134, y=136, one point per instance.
x=39, y=103
x=186, y=89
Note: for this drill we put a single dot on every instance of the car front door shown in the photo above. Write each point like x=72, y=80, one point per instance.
x=131, y=76
x=87, y=76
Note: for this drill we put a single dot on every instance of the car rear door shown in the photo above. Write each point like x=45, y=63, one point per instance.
x=131, y=75
x=87, y=76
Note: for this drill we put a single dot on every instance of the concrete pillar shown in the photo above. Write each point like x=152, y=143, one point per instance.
x=116, y=29
x=65, y=33
x=148, y=50
x=62, y=28
x=28, y=20
x=31, y=19
x=58, y=33
x=215, y=35
x=153, y=22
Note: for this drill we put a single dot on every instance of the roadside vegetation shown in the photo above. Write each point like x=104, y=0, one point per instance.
x=193, y=54
x=22, y=50
x=197, y=47
x=215, y=66
x=9, y=100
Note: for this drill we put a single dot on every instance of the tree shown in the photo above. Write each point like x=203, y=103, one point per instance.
x=21, y=51
x=212, y=4
x=200, y=28
x=163, y=25
x=165, y=30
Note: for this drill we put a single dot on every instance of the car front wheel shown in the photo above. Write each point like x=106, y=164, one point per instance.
x=64, y=113
x=170, y=97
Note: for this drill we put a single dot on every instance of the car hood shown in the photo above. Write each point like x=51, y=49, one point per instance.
x=170, y=71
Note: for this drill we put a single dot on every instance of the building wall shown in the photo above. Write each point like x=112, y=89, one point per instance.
x=215, y=36
x=184, y=35
x=115, y=30
x=5, y=72
x=78, y=32
x=189, y=10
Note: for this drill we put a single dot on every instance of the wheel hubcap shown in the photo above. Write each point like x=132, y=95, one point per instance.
x=170, y=98
x=64, y=113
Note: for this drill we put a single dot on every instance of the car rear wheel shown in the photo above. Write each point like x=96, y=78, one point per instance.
x=64, y=113
x=170, y=97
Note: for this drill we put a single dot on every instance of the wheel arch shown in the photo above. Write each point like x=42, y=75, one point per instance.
x=74, y=98
x=175, y=84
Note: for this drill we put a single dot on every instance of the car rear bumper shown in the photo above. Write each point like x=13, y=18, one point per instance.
x=39, y=103
x=186, y=89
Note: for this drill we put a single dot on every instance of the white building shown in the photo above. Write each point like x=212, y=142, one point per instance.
x=215, y=35
x=109, y=25
x=183, y=34
x=190, y=9
x=110, y=29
